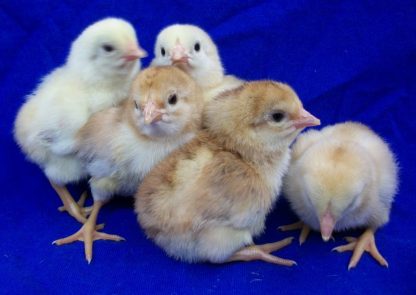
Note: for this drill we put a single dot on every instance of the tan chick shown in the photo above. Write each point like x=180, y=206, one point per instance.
x=208, y=199
x=342, y=177
x=120, y=145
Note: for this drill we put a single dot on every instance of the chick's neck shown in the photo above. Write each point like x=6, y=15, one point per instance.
x=208, y=77
x=253, y=153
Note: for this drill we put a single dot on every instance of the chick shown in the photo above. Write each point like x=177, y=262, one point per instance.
x=343, y=177
x=120, y=145
x=97, y=74
x=192, y=49
x=208, y=199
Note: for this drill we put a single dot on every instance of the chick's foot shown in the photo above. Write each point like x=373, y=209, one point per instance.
x=88, y=233
x=297, y=225
x=70, y=205
x=85, y=211
x=262, y=252
x=366, y=242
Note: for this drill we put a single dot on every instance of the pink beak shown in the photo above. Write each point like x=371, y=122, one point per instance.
x=151, y=113
x=327, y=224
x=134, y=53
x=306, y=119
x=178, y=54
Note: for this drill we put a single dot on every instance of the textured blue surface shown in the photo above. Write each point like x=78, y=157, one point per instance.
x=348, y=60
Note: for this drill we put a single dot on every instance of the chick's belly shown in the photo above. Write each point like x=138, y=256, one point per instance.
x=252, y=220
x=213, y=243
x=129, y=184
x=64, y=169
x=352, y=221
x=182, y=247
x=312, y=222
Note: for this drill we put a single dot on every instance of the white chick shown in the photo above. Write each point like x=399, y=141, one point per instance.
x=97, y=74
x=343, y=177
x=120, y=145
x=192, y=49
x=208, y=199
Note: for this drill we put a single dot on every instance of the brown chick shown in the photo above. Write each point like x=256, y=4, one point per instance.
x=122, y=144
x=342, y=177
x=208, y=199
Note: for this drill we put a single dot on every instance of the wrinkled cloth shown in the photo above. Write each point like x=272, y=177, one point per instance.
x=347, y=60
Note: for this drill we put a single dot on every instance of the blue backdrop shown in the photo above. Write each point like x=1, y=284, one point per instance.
x=348, y=60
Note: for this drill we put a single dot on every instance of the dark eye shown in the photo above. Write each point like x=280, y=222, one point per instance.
x=277, y=116
x=108, y=48
x=197, y=46
x=162, y=50
x=172, y=99
x=136, y=105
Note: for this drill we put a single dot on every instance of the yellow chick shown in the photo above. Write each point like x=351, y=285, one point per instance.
x=208, y=199
x=342, y=177
x=97, y=74
x=192, y=49
x=121, y=144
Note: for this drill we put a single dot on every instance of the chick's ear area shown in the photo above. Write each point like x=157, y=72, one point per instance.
x=228, y=94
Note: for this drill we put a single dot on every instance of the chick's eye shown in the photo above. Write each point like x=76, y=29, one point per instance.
x=197, y=46
x=172, y=99
x=162, y=51
x=136, y=105
x=277, y=116
x=108, y=48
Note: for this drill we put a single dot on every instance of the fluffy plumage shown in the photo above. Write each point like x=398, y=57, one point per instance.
x=342, y=177
x=96, y=75
x=207, y=200
x=118, y=144
x=121, y=144
x=192, y=49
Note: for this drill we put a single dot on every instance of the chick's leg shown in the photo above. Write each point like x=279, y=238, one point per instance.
x=88, y=233
x=86, y=211
x=366, y=242
x=69, y=203
x=262, y=252
x=297, y=225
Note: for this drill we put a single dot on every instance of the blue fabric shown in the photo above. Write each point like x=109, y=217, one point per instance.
x=348, y=60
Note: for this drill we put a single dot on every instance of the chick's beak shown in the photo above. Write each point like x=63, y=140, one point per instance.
x=134, y=52
x=178, y=54
x=327, y=224
x=306, y=119
x=151, y=113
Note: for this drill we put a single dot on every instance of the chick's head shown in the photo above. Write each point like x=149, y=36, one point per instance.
x=107, y=48
x=166, y=102
x=263, y=115
x=187, y=47
x=336, y=178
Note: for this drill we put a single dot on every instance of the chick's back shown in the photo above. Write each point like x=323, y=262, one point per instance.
x=193, y=174
x=383, y=159
x=340, y=162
